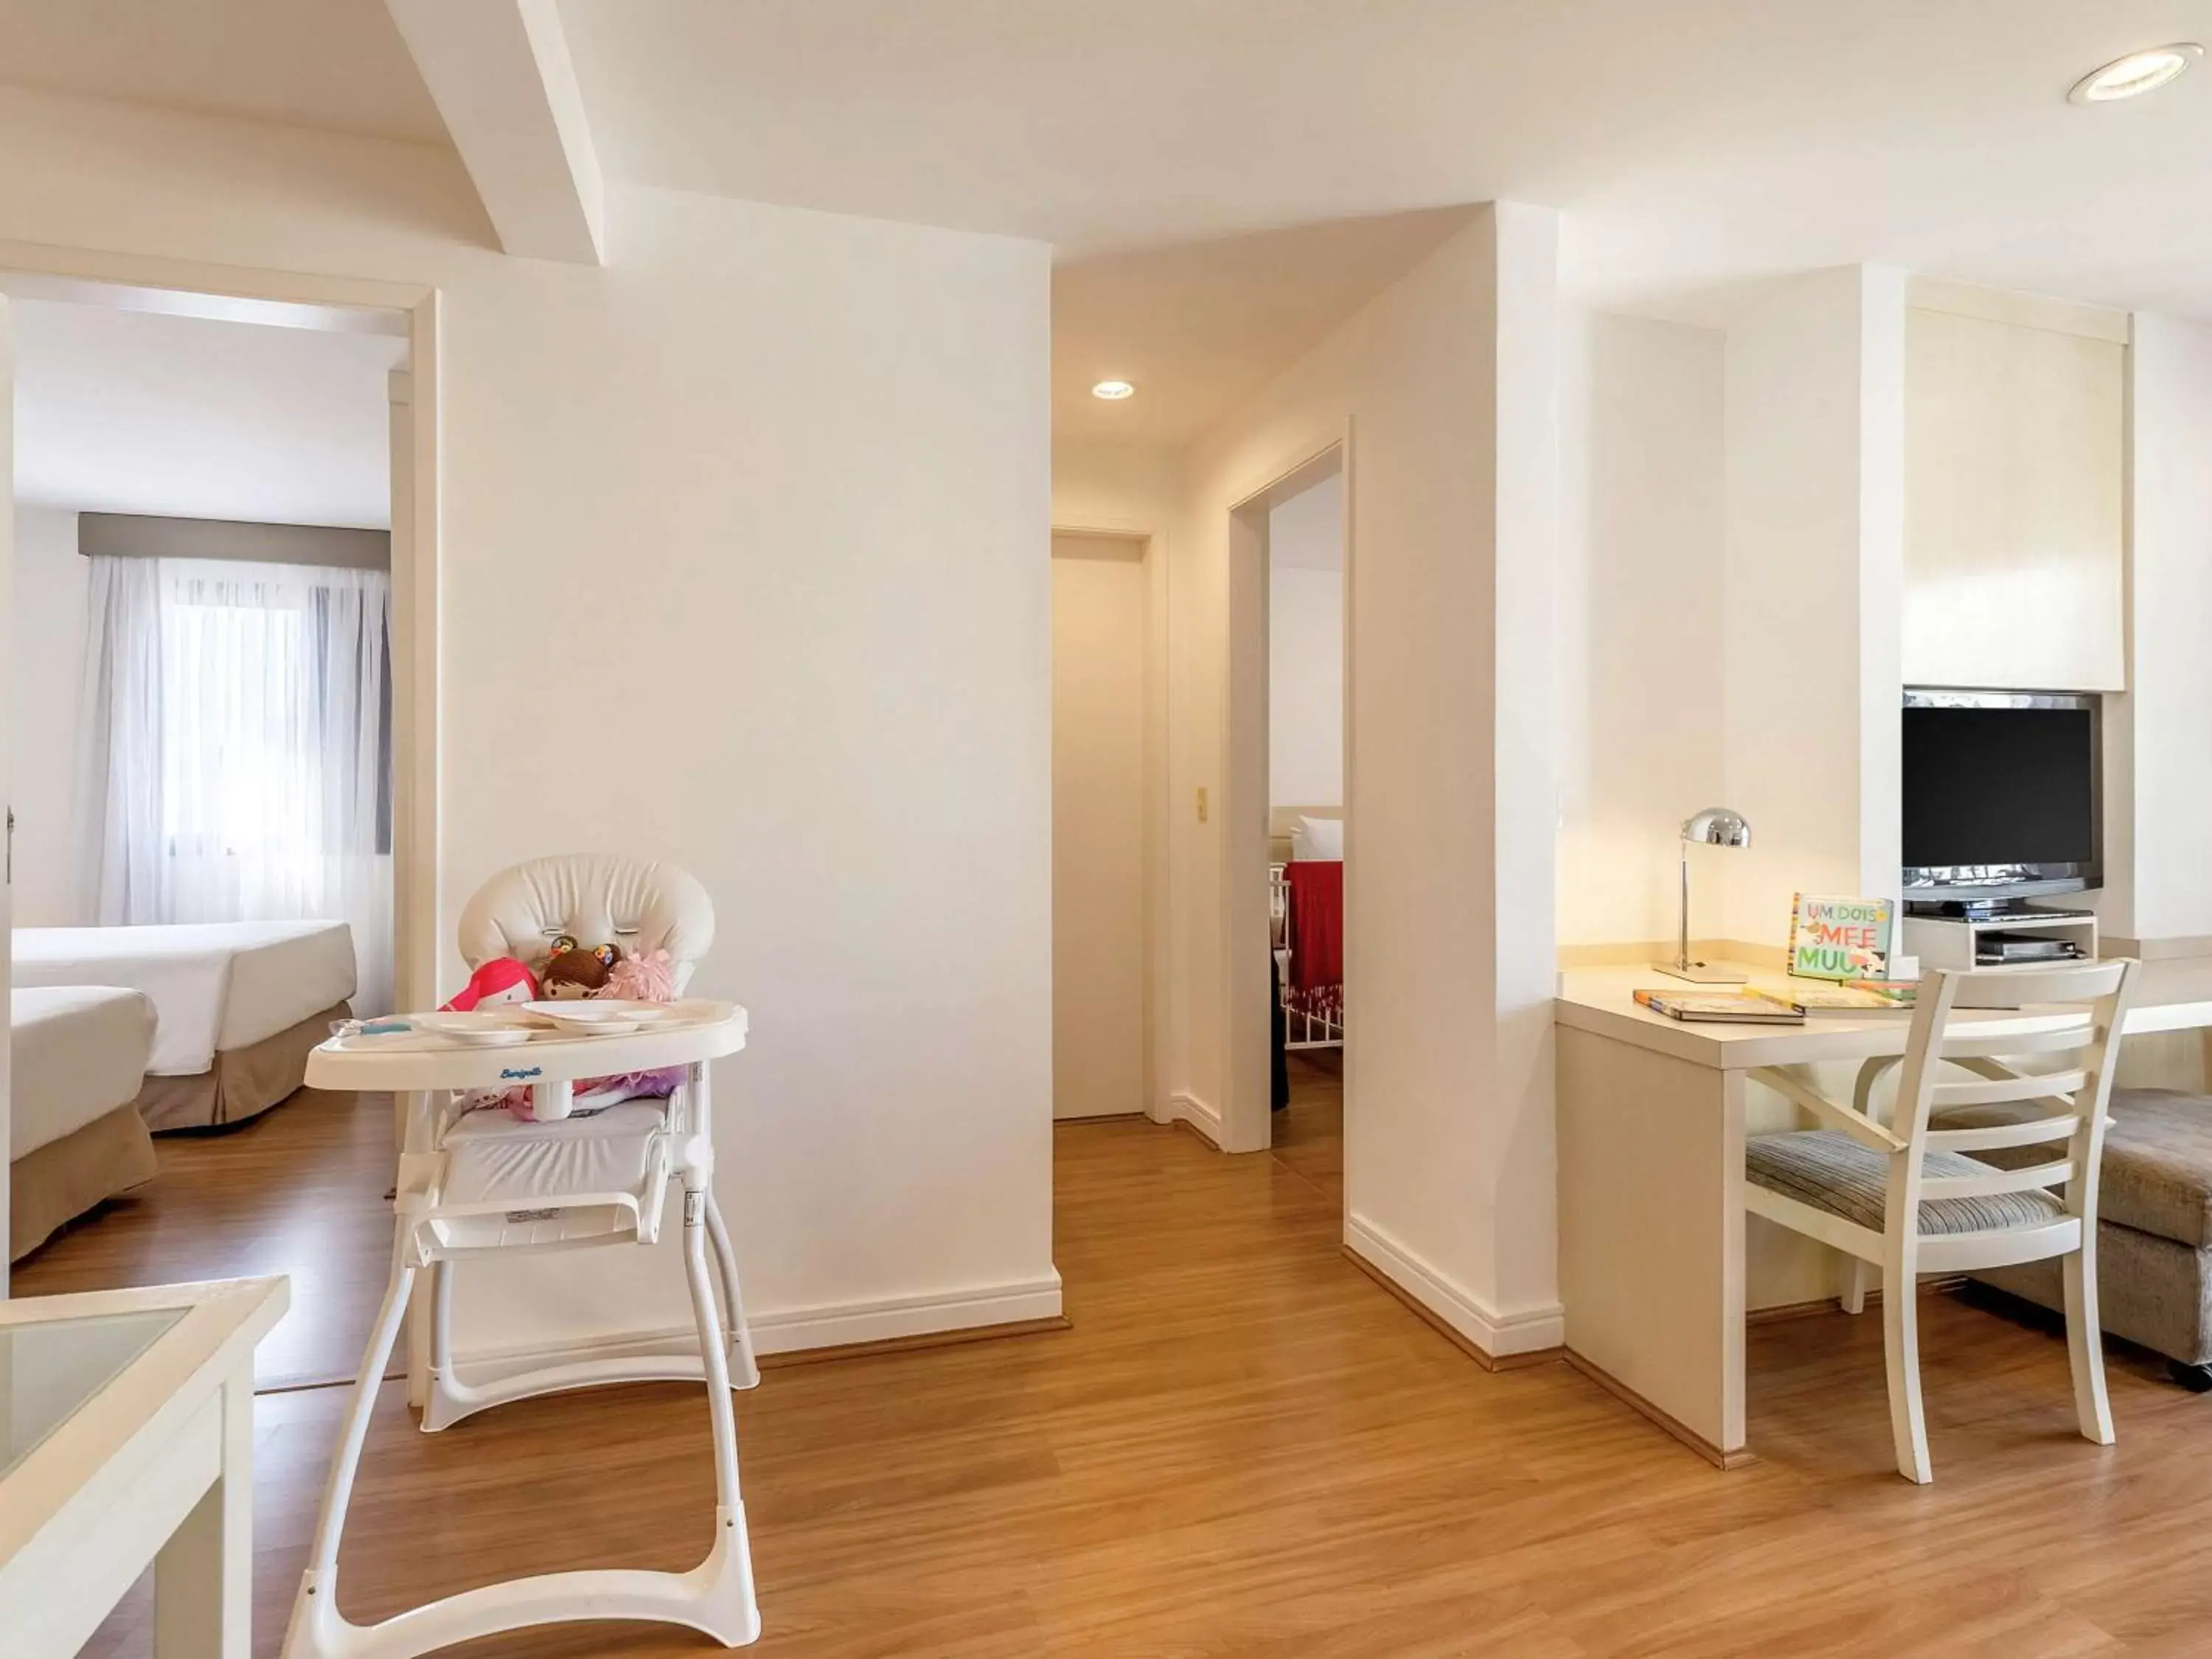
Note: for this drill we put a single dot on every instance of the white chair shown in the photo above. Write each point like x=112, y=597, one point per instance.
x=477, y=1183
x=1908, y=1198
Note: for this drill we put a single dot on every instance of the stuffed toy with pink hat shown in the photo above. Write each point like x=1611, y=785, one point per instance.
x=495, y=983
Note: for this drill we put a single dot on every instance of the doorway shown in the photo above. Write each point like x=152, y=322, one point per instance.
x=1100, y=603
x=1306, y=825
x=1288, y=777
x=226, y=593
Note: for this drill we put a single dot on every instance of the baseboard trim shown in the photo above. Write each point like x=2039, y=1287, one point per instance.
x=839, y=1330
x=1636, y=1402
x=1495, y=1341
x=796, y=1357
x=1200, y=1119
x=1784, y=1311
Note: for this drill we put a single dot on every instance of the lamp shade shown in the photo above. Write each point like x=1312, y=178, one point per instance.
x=1717, y=826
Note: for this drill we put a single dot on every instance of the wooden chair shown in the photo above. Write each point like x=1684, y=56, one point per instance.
x=1909, y=1198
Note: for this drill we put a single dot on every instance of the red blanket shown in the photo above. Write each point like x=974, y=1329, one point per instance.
x=1317, y=936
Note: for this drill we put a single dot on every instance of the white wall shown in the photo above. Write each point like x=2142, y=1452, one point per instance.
x=139, y=411
x=1448, y=381
x=1305, y=687
x=46, y=677
x=1641, y=637
x=2159, y=772
x=1813, y=595
x=1305, y=647
x=781, y=481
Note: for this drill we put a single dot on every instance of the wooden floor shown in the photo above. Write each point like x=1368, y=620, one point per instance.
x=298, y=1190
x=1245, y=1448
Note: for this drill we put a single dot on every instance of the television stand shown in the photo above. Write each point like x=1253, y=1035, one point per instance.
x=1995, y=912
x=2004, y=934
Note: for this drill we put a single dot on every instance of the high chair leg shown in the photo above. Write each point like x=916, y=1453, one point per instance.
x=314, y=1609
x=728, y=1571
x=747, y=1371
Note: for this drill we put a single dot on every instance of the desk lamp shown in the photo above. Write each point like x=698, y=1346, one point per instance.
x=1715, y=826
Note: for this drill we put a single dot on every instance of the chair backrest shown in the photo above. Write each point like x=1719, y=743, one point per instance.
x=2089, y=1001
x=597, y=899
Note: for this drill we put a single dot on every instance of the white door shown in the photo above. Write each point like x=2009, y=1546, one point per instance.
x=1098, y=826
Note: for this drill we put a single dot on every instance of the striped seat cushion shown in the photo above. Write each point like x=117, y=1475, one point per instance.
x=1830, y=1171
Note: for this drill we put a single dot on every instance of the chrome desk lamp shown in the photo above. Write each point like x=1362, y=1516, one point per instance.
x=1715, y=826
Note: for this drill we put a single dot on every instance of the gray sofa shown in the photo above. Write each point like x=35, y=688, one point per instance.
x=2154, y=1228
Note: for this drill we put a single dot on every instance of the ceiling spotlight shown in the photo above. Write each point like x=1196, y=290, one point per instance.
x=2138, y=73
x=1113, y=390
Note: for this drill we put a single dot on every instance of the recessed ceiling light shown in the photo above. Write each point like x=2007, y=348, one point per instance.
x=2138, y=73
x=1113, y=390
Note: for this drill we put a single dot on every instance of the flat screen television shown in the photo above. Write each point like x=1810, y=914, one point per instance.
x=2003, y=797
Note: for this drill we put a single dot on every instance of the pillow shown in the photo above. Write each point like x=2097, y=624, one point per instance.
x=1313, y=839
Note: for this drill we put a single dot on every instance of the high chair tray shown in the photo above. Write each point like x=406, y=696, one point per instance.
x=695, y=1029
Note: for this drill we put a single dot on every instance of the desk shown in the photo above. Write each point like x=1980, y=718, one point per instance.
x=1651, y=1128
x=126, y=1436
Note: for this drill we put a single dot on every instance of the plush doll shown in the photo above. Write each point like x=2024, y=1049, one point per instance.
x=641, y=977
x=501, y=980
x=575, y=972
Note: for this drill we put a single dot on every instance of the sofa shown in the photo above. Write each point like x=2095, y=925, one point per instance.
x=2154, y=1225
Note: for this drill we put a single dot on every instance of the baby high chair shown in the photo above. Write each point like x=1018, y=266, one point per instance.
x=478, y=1180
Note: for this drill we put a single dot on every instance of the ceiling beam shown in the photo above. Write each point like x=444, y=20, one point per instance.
x=500, y=72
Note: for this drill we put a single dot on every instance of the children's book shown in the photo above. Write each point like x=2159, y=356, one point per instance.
x=1719, y=1007
x=1807, y=998
x=1839, y=939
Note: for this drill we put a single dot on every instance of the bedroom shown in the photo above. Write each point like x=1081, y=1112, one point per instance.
x=201, y=823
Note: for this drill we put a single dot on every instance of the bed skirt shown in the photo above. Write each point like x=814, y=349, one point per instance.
x=242, y=1083
x=54, y=1184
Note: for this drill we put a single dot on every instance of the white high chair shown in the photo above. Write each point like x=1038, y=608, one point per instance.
x=473, y=1182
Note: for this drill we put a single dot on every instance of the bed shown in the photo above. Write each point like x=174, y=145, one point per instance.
x=75, y=1137
x=237, y=1003
x=1305, y=876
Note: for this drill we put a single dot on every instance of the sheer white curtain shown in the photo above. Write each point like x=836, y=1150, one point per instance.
x=238, y=748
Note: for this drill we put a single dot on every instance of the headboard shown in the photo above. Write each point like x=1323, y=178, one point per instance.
x=1281, y=820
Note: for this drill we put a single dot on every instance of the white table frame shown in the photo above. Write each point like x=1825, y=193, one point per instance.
x=156, y=1467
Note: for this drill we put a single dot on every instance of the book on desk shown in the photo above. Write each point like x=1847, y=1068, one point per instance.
x=1721, y=1007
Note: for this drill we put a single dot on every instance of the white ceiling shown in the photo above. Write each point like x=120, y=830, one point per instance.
x=1708, y=140
x=339, y=64
x=1201, y=327
x=1694, y=146
x=131, y=412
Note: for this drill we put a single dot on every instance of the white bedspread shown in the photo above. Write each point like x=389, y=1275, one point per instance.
x=80, y=1052
x=216, y=985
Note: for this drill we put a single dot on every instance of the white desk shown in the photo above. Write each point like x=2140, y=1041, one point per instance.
x=126, y=1436
x=1651, y=1128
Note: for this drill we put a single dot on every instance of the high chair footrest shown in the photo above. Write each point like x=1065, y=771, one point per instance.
x=588, y=1223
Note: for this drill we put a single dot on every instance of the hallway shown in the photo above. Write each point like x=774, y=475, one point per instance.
x=1245, y=1448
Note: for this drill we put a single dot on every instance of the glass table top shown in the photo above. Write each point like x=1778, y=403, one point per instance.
x=49, y=1370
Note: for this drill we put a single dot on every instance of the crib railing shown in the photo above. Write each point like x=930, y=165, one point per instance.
x=1302, y=1028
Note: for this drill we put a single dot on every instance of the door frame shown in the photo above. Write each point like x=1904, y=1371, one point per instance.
x=1247, y=1117
x=418, y=922
x=1157, y=1015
